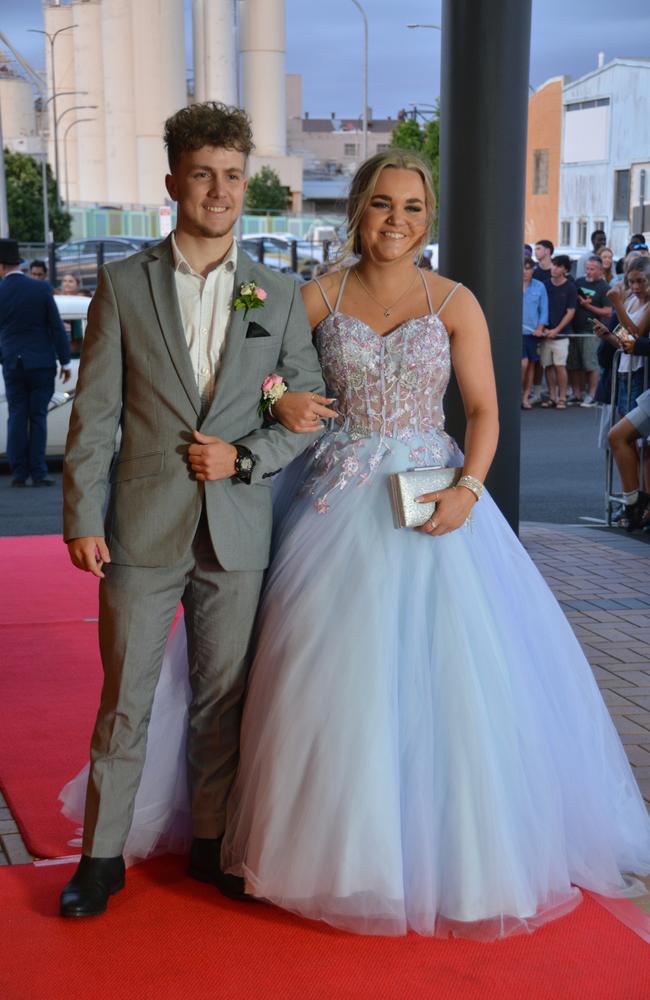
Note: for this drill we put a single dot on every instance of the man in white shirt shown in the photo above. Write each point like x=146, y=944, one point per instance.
x=170, y=355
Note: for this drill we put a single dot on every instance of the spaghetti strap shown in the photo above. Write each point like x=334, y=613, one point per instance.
x=341, y=287
x=324, y=294
x=426, y=290
x=448, y=297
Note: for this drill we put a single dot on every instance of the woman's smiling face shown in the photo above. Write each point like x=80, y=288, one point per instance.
x=394, y=222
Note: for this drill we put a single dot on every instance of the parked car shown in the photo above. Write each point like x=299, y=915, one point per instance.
x=79, y=257
x=278, y=248
x=74, y=310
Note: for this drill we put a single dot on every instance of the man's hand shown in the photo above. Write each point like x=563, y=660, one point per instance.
x=211, y=458
x=302, y=412
x=89, y=554
x=551, y=333
x=65, y=374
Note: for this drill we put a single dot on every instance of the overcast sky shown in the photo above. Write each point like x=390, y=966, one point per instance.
x=324, y=44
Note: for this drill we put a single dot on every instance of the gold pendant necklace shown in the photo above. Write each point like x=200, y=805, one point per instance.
x=387, y=309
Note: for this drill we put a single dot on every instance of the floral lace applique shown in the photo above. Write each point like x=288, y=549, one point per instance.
x=391, y=387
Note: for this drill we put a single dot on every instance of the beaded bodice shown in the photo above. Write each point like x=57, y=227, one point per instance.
x=388, y=389
x=391, y=385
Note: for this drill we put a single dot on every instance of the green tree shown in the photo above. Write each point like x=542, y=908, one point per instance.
x=265, y=192
x=409, y=134
x=25, y=201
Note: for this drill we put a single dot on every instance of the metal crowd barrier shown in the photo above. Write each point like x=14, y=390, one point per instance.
x=614, y=501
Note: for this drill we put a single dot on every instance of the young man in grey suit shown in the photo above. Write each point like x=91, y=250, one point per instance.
x=169, y=359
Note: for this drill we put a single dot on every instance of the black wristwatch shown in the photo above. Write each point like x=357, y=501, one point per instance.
x=244, y=464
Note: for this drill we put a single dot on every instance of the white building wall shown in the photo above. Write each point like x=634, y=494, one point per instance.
x=587, y=186
x=18, y=115
x=90, y=135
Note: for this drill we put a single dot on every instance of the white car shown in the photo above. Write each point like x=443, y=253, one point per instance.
x=73, y=309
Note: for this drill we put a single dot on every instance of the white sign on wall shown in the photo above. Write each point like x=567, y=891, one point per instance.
x=165, y=220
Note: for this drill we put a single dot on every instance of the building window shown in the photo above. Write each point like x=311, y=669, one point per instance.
x=350, y=149
x=565, y=233
x=582, y=233
x=382, y=147
x=540, y=171
x=599, y=224
x=622, y=194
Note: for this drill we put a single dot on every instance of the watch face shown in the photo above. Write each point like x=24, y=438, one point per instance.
x=245, y=463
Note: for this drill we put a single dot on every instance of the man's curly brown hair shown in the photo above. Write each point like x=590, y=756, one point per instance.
x=208, y=124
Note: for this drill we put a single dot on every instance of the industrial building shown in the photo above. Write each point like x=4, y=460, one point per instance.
x=588, y=163
x=116, y=70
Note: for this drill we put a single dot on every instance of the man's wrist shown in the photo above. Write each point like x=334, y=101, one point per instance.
x=243, y=463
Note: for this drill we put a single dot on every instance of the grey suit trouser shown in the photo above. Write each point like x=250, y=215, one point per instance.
x=137, y=608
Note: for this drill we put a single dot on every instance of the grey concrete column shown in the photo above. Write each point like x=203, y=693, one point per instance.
x=484, y=106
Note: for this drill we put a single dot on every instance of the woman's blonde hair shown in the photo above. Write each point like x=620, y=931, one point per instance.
x=364, y=183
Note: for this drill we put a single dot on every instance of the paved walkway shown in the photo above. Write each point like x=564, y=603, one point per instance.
x=602, y=580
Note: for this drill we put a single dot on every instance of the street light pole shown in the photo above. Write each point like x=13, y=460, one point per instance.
x=4, y=213
x=365, y=77
x=77, y=121
x=52, y=37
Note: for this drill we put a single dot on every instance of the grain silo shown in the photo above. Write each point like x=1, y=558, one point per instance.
x=215, y=50
x=90, y=135
x=159, y=87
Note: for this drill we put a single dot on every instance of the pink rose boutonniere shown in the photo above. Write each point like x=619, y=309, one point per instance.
x=251, y=296
x=273, y=389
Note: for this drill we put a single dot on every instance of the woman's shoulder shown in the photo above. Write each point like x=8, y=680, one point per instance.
x=441, y=288
x=319, y=295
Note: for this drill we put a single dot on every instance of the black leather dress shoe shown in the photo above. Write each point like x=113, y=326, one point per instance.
x=204, y=866
x=18, y=483
x=87, y=892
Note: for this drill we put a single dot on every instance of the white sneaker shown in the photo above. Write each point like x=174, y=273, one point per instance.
x=588, y=401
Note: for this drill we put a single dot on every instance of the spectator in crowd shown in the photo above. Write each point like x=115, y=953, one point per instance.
x=623, y=439
x=633, y=314
x=598, y=240
x=638, y=243
x=535, y=318
x=38, y=270
x=70, y=285
x=606, y=254
x=528, y=250
x=32, y=336
x=593, y=304
x=544, y=251
x=625, y=262
x=562, y=301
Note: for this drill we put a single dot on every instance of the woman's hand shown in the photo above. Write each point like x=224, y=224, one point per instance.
x=454, y=505
x=600, y=329
x=302, y=412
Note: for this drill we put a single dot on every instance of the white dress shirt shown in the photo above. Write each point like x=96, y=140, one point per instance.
x=205, y=305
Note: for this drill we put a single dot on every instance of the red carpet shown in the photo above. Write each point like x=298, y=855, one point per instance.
x=167, y=937
x=49, y=684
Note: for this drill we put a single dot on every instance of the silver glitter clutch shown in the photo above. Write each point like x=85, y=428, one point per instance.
x=406, y=486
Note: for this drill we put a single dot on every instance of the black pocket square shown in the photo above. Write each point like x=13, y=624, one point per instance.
x=255, y=330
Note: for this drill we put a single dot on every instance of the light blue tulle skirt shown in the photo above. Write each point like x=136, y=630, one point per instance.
x=423, y=743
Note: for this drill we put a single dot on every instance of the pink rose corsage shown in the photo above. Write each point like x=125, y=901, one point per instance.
x=251, y=296
x=273, y=389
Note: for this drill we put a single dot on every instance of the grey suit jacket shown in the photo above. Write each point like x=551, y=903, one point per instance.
x=136, y=372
